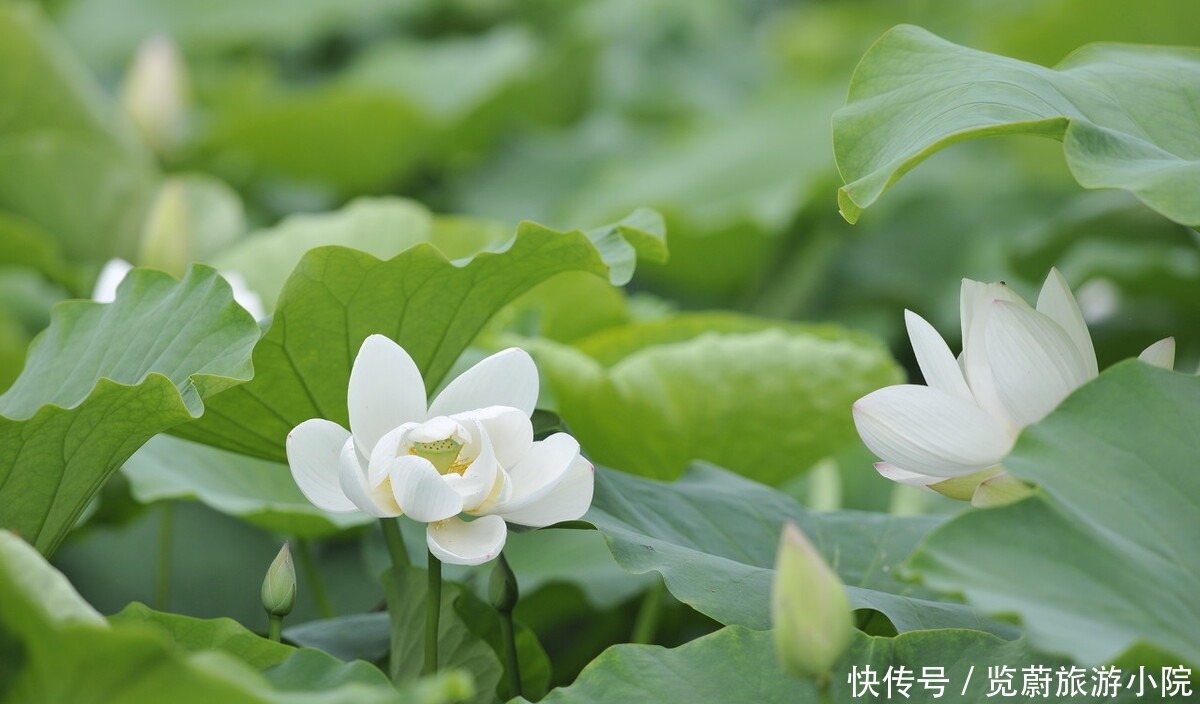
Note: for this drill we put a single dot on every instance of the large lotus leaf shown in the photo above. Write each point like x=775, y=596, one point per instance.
x=382, y=227
x=763, y=398
x=284, y=666
x=1103, y=559
x=72, y=165
x=1127, y=115
x=347, y=138
x=257, y=491
x=739, y=665
x=56, y=648
x=105, y=378
x=713, y=536
x=432, y=306
x=196, y=634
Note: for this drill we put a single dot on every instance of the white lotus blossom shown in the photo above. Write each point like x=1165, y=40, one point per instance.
x=470, y=452
x=115, y=270
x=1018, y=363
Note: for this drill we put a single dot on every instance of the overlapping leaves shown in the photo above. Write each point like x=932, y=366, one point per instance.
x=432, y=306
x=104, y=379
x=713, y=536
x=1102, y=562
x=55, y=647
x=1127, y=115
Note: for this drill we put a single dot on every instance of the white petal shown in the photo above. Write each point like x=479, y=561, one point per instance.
x=540, y=471
x=434, y=430
x=110, y=278
x=244, y=295
x=1056, y=302
x=377, y=501
x=509, y=429
x=930, y=432
x=567, y=501
x=385, y=391
x=421, y=492
x=478, y=481
x=937, y=362
x=507, y=378
x=461, y=543
x=1034, y=363
x=903, y=476
x=313, y=451
x=385, y=451
x=975, y=299
x=1160, y=354
x=976, y=307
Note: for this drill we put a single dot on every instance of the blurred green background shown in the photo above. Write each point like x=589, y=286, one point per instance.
x=569, y=113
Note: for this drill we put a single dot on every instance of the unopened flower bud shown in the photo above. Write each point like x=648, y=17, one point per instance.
x=279, y=587
x=167, y=234
x=155, y=93
x=809, y=608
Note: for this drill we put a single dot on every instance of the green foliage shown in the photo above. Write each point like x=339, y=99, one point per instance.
x=70, y=653
x=432, y=306
x=102, y=380
x=214, y=565
x=762, y=398
x=1117, y=491
x=381, y=227
x=62, y=142
x=469, y=636
x=259, y=492
x=713, y=536
x=1125, y=114
x=737, y=664
x=310, y=147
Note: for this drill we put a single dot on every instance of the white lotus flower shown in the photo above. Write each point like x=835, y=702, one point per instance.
x=1018, y=363
x=471, y=451
x=115, y=270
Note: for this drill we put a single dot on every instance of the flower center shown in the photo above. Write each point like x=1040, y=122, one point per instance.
x=442, y=454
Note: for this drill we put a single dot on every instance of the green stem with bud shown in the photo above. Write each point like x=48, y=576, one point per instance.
x=433, y=612
x=276, y=629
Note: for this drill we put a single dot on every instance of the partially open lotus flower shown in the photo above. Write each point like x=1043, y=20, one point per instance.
x=470, y=453
x=1018, y=363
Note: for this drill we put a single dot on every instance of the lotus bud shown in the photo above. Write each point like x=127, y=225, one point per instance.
x=809, y=608
x=279, y=587
x=155, y=93
x=167, y=234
